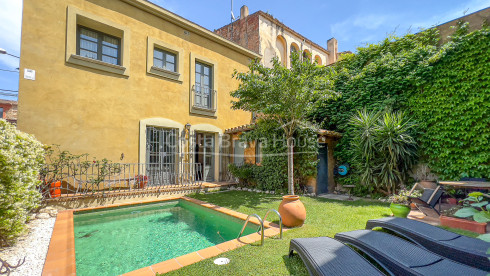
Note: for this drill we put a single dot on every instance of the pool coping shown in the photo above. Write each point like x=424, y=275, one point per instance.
x=60, y=259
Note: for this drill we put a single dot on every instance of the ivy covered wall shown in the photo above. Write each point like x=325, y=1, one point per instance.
x=452, y=108
x=445, y=89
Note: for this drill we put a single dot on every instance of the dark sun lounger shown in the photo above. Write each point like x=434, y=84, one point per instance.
x=466, y=250
x=401, y=257
x=326, y=256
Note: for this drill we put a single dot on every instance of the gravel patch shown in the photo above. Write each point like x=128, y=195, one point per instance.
x=34, y=246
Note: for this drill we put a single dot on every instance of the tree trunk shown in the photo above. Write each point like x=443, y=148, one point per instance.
x=290, y=165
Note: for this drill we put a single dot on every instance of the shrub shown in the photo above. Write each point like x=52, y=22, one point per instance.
x=384, y=148
x=21, y=158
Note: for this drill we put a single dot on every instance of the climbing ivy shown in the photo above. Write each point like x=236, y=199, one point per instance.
x=453, y=109
x=445, y=88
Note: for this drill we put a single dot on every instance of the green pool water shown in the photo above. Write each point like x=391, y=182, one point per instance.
x=119, y=240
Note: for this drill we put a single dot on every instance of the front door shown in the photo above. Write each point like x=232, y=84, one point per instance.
x=205, y=155
x=322, y=167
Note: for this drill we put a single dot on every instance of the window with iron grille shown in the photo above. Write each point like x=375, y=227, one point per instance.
x=203, y=86
x=165, y=60
x=96, y=45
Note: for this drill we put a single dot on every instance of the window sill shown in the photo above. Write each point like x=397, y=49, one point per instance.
x=203, y=111
x=97, y=64
x=165, y=73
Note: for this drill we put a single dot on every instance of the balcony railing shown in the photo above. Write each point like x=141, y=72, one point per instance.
x=101, y=179
x=203, y=98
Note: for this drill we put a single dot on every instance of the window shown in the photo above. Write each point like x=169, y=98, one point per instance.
x=95, y=42
x=239, y=152
x=1, y=112
x=203, y=86
x=96, y=45
x=163, y=59
x=203, y=83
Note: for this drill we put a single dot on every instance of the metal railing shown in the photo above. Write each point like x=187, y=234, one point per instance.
x=203, y=98
x=102, y=178
x=261, y=229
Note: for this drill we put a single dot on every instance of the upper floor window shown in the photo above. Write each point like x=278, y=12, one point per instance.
x=165, y=60
x=203, y=86
x=100, y=46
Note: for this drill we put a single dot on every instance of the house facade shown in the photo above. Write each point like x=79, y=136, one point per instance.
x=266, y=35
x=128, y=81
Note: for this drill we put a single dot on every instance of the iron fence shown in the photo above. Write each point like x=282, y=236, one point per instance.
x=103, y=178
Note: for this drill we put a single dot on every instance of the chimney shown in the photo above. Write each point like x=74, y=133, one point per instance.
x=243, y=11
x=332, y=47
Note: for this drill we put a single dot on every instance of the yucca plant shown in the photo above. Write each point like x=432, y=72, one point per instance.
x=384, y=148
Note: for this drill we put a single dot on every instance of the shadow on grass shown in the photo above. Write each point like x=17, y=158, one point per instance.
x=236, y=199
x=294, y=265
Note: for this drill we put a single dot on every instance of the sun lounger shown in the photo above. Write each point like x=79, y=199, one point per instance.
x=401, y=257
x=326, y=256
x=466, y=250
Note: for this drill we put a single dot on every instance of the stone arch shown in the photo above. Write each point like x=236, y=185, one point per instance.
x=318, y=60
x=306, y=54
x=281, y=48
x=293, y=48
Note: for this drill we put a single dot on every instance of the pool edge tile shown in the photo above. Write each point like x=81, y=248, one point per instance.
x=145, y=271
x=165, y=266
x=189, y=259
x=62, y=241
x=209, y=252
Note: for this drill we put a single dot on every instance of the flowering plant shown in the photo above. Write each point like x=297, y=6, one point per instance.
x=402, y=197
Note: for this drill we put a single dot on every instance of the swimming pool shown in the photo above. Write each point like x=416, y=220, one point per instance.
x=113, y=241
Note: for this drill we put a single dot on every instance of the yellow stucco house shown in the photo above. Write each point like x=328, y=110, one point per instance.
x=127, y=80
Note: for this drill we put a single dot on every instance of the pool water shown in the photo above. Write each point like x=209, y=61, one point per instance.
x=113, y=241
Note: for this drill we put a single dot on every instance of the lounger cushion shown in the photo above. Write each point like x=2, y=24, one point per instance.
x=326, y=256
x=403, y=257
x=470, y=251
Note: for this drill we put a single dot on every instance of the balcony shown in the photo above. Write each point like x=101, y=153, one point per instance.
x=203, y=100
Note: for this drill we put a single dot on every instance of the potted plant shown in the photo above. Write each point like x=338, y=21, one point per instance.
x=141, y=181
x=400, y=203
x=424, y=177
x=474, y=215
x=57, y=166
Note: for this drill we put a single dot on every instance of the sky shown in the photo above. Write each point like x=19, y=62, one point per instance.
x=353, y=23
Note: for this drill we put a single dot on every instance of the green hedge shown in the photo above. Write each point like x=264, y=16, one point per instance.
x=21, y=158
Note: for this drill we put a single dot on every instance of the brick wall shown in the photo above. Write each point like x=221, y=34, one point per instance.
x=244, y=32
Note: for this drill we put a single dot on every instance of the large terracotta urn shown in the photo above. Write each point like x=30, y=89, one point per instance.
x=292, y=211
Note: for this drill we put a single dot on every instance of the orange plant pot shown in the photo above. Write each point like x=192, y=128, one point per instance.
x=142, y=184
x=292, y=211
x=54, y=189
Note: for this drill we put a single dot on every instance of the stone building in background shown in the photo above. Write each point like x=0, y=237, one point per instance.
x=267, y=36
x=8, y=111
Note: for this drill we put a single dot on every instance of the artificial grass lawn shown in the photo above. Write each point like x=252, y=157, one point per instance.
x=324, y=218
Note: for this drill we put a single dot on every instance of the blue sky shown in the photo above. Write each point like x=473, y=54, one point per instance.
x=352, y=23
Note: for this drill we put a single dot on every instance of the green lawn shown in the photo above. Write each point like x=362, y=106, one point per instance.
x=324, y=218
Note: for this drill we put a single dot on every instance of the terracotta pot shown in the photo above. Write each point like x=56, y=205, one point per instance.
x=54, y=189
x=292, y=211
x=464, y=224
x=428, y=184
x=399, y=210
x=452, y=201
